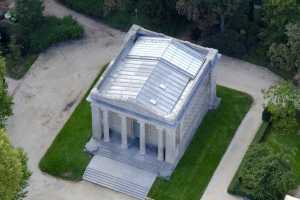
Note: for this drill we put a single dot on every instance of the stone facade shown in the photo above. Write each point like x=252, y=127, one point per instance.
x=126, y=119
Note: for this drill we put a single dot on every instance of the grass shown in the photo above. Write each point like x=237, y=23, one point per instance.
x=202, y=157
x=65, y=158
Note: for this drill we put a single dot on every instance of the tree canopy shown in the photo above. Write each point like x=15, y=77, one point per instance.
x=13, y=170
x=29, y=14
x=276, y=15
x=208, y=12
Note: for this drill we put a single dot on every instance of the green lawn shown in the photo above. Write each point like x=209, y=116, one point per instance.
x=66, y=159
x=198, y=164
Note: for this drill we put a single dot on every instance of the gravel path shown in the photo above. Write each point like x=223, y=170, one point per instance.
x=61, y=76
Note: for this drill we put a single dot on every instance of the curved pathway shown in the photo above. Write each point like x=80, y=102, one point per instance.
x=251, y=79
x=48, y=94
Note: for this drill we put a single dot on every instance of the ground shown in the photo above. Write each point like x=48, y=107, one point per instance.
x=47, y=95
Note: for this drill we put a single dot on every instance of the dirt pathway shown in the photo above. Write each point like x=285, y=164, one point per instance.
x=60, y=75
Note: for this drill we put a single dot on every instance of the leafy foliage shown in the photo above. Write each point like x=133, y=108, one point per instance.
x=31, y=34
x=13, y=170
x=276, y=15
x=210, y=12
x=52, y=31
x=263, y=175
x=286, y=55
x=29, y=14
x=228, y=42
x=283, y=100
x=5, y=99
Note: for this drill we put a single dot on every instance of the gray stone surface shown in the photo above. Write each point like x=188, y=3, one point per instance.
x=61, y=76
x=119, y=177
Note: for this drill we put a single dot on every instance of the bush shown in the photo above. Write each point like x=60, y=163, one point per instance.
x=14, y=172
x=266, y=115
x=158, y=15
x=229, y=43
x=5, y=99
x=282, y=101
x=29, y=14
x=92, y=7
x=52, y=31
x=263, y=175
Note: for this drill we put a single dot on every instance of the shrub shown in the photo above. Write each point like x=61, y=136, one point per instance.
x=229, y=42
x=29, y=14
x=92, y=7
x=13, y=171
x=5, y=99
x=263, y=175
x=52, y=31
x=266, y=115
x=285, y=56
x=282, y=101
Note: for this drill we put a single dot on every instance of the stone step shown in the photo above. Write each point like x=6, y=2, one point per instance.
x=116, y=184
x=120, y=177
x=103, y=176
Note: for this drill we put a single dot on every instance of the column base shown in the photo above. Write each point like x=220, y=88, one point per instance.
x=215, y=104
x=124, y=146
x=92, y=146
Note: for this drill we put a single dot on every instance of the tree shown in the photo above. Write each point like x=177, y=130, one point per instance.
x=207, y=13
x=276, y=15
x=286, y=56
x=111, y=5
x=13, y=170
x=29, y=14
x=264, y=175
x=5, y=99
x=283, y=101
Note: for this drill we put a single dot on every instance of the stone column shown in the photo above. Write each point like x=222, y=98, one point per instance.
x=106, y=125
x=160, y=145
x=124, y=133
x=142, y=138
x=170, y=146
x=213, y=84
x=96, y=122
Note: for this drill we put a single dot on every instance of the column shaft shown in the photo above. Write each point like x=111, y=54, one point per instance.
x=106, y=125
x=96, y=122
x=142, y=138
x=160, y=147
x=124, y=132
x=170, y=146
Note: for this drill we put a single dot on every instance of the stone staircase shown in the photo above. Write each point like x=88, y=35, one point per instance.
x=119, y=177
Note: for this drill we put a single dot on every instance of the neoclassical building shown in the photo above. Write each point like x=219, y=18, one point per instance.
x=151, y=99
